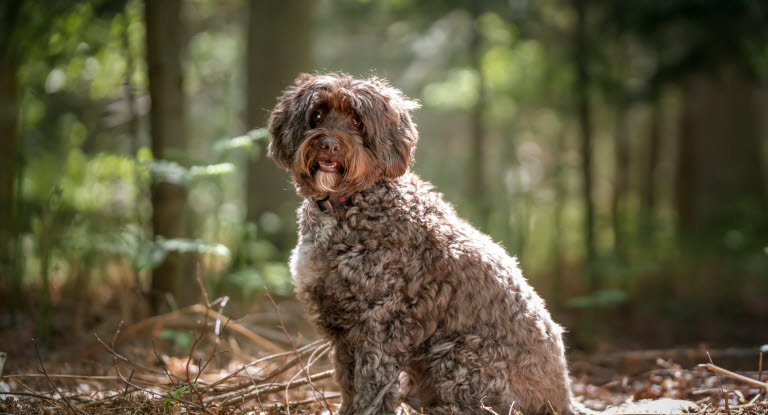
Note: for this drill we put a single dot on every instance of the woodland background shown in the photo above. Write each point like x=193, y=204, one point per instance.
x=618, y=148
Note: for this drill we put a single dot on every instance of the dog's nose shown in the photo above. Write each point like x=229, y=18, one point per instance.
x=330, y=144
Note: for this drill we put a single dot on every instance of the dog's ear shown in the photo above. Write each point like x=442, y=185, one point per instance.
x=286, y=122
x=398, y=156
x=402, y=134
x=389, y=124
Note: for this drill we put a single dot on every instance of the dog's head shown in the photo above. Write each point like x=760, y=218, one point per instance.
x=338, y=135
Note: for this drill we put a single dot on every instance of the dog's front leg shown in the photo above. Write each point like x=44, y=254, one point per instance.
x=344, y=363
x=377, y=368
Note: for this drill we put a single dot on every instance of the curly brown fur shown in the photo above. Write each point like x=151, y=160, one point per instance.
x=403, y=287
x=381, y=147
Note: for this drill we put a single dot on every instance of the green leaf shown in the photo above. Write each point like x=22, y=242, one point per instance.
x=173, y=172
x=167, y=171
x=457, y=91
x=243, y=142
x=599, y=299
x=197, y=246
x=180, y=339
x=174, y=395
x=211, y=170
x=149, y=255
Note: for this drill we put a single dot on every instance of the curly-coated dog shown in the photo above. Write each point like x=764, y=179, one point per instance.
x=420, y=306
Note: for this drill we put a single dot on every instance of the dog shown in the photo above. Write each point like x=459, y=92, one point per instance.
x=420, y=306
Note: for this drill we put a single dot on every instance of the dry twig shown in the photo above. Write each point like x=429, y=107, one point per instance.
x=116, y=356
x=220, y=390
x=725, y=372
x=273, y=406
x=380, y=396
x=298, y=357
x=38, y=396
x=50, y=382
x=760, y=369
x=87, y=377
x=725, y=394
x=271, y=388
x=193, y=309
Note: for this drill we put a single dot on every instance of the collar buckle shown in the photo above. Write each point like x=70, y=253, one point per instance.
x=329, y=204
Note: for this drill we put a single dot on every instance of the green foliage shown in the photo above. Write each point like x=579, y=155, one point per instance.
x=173, y=172
x=252, y=280
x=192, y=246
x=161, y=247
x=172, y=397
x=600, y=299
x=181, y=339
x=85, y=143
x=246, y=142
x=458, y=91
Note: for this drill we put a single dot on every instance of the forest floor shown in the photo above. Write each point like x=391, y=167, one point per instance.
x=198, y=361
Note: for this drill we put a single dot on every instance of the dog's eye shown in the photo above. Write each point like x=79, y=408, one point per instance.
x=317, y=116
x=356, y=122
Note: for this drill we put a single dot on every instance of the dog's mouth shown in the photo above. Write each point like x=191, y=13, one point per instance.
x=328, y=166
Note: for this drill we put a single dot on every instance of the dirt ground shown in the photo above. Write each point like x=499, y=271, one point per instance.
x=198, y=361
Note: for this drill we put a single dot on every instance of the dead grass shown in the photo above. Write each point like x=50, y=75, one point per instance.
x=228, y=371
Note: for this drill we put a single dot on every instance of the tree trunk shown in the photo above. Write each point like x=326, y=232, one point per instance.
x=648, y=196
x=168, y=134
x=132, y=312
x=585, y=130
x=477, y=191
x=621, y=183
x=9, y=152
x=8, y=148
x=561, y=196
x=279, y=48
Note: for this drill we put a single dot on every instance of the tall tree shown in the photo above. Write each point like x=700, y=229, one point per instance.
x=9, y=59
x=621, y=183
x=717, y=60
x=649, y=189
x=561, y=195
x=477, y=191
x=165, y=43
x=585, y=127
x=279, y=48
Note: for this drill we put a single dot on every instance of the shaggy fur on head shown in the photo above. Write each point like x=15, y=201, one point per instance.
x=380, y=146
x=418, y=304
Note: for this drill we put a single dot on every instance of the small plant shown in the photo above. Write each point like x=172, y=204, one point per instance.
x=172, y=397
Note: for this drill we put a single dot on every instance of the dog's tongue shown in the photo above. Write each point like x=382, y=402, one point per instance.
x=328, y=166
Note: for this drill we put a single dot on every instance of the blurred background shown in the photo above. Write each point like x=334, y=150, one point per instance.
x=618, y=148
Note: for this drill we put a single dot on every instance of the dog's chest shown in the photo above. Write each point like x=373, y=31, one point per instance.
x=341, y=271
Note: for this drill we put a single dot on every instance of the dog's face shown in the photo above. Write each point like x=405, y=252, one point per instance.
x=338, y=135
